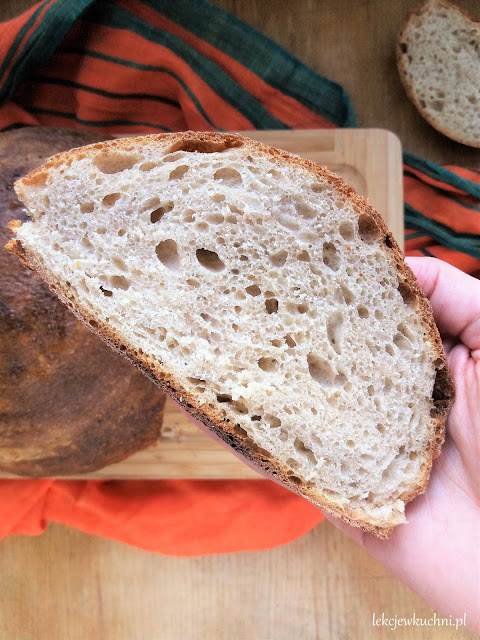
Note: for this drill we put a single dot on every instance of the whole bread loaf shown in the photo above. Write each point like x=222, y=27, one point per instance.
x=68, y=404
x=438, y=55
x=261, y=292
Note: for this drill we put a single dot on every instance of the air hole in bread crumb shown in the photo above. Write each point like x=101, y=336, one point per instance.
x=303, y=256
x=110, y=199
x=151, y=203
x=267, y=364
x=271, y=305
x=346, y=230
x=120, y=264
x=304, y=450
x=330, y=256
x=362, y=311
x=87, y=207
x=275, y=173
x=291, y=462
x=188, y=215
x=320, y=370
x=256, y=418
x=302, y=308
x=239, y=407
x=209, y=260
x=208, y=318
x=389, y=241
x=173, y=157
x=299, y=337
x=121, y=232
x=193, y=283
x=278, y=259
x=272, y=421
x=114, y=162
x=287, y=221
x=172, y=343
x=147, y=166
x=367, y=228
x=404, y=330
x=228, y=176
x=408, y=294
x=178, y=172
x=253, y=290
x=224, y=397
x=106, y=292
x=191, y=145
x=347, y=295
x=304, y=209
x=167, y=253
x=334, y=330
x=437, y=105
x=308, y=237
x=158, y=214
x=119, y=282
x=401, y=341
x=215, y=218
x=290, y=341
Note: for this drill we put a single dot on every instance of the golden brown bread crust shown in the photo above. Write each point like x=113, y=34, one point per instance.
x=68, y=405
x=371, y=223
x=402, y=59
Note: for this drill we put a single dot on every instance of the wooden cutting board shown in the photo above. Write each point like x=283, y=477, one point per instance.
x=368, y=159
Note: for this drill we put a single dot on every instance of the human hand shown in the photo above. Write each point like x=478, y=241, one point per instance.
x=437, y=554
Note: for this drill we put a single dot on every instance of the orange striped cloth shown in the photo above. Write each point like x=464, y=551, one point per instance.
x=442, y=213
x=124, y=66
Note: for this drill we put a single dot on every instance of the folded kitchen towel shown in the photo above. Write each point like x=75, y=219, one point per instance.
x=145, y=66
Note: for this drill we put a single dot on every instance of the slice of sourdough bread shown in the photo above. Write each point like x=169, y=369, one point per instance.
x=438, y=56
x=265, y=295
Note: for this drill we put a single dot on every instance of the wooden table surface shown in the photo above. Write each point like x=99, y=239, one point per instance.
x=65, y=585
